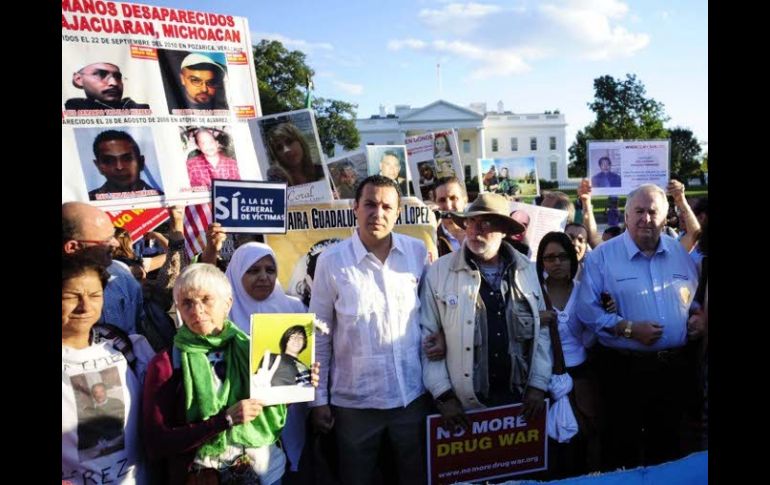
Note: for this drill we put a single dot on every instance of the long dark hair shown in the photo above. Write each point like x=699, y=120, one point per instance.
x=290, y=132
x=566, y=243
x=296, y=329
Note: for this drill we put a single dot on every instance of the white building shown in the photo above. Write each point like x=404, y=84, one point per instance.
x=480, y=133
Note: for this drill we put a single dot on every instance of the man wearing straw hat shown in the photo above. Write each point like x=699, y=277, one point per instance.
x=486, y=299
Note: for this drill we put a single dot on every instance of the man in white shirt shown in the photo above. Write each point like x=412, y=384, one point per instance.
x=366, y=289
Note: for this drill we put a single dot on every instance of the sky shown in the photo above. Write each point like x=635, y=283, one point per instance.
x=531, y=55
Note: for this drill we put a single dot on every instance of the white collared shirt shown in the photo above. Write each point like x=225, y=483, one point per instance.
x=372, y=309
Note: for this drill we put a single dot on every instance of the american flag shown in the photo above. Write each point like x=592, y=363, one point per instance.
x=196, y=220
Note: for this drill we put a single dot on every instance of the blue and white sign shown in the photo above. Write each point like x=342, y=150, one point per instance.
x=244, y=206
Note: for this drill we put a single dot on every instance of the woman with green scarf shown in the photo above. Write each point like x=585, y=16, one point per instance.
x=199, y=424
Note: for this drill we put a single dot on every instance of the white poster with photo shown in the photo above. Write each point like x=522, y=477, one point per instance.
x=618, y=167
x=433, y=156
x=347, y=172
x=513, y=177
x=542, y=220
x=282, y=354
x=137, y=82
x=390, y=161
x=289, y=150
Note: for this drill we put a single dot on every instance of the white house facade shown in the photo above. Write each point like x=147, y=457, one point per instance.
x=480, y=133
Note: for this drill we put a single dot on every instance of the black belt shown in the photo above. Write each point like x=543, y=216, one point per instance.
x=660, y=355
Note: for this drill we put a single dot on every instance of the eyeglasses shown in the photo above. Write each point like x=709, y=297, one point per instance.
x=482, y=225
x=106, y=242
x=104, y=74
x=552, y=258
x=210, y=84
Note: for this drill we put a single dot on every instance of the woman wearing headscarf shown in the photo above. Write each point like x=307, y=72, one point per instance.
x=198, y=421
x=253, y=275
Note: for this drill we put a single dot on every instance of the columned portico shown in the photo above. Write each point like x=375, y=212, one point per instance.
x=479, y=133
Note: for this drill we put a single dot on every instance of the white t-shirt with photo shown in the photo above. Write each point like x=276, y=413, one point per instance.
x=94, y=447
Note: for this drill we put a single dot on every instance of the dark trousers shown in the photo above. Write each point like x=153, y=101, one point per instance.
x=644, y=397
x=582, y=454
x=361, y=431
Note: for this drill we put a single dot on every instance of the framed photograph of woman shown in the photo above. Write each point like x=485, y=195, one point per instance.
x=288, y=150
x=282, y=353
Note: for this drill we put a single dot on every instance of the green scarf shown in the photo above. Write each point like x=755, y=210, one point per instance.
x=201, y=402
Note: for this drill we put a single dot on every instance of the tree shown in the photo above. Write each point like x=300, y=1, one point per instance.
x=684, y=154
x=282, y=76
x=622, y=112
x=335, y=124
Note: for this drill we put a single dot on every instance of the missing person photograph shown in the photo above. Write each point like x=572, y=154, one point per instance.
x=282, y=352
x=193, y=80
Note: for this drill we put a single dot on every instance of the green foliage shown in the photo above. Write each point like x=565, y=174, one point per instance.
x=684, y=154
x=622, y=112
x=282, y=76
x=335, y=124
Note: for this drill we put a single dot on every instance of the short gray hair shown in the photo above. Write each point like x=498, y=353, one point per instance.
x=203, y=276
x=647, y=188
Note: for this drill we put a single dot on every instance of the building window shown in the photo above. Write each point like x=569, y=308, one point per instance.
x=466, y=146
x=554, y=175
x=552, y=143
x=533, y=143
x=494, y=144
x=514, y=144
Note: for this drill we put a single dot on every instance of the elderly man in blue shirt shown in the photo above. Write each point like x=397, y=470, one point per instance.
x=641, y=355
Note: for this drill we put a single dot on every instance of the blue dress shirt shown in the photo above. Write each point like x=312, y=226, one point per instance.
x=659, y=288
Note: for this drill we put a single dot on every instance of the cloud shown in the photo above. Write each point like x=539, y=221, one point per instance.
x=505, y=41
x=457, y=18
x=587, y=23
x=349, y=88
x=494, y=62
x=294, y=44
x=413, y=44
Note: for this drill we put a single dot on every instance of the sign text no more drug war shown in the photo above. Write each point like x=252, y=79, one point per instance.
x=498, y=443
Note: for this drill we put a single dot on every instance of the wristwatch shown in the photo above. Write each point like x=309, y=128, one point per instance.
x=627, y=331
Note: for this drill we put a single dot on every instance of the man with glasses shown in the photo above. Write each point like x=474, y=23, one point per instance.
x=87, y=228
x=487, y=300
x=202, y=83
x=102, y=83
x=118, y=159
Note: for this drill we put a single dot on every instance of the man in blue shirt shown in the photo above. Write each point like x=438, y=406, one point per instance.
x=605, y=178
x=641, y=356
